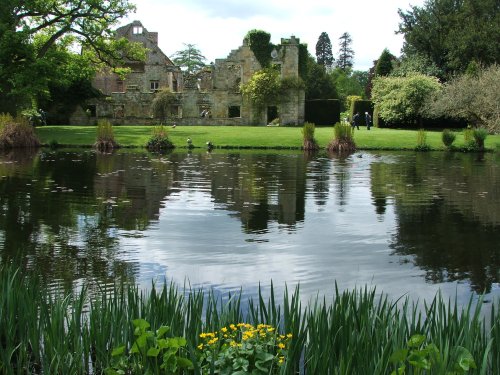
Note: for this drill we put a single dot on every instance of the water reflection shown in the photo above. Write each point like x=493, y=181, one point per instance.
x=401, y=221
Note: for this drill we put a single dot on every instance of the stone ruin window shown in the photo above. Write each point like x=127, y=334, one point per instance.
x=234, y=111
x=154, y=85
x=91, y=110
x=119, y=111
x=272, y=113
x=175, y=86
x=119, y=85
x=175, y=111
x=136, y=30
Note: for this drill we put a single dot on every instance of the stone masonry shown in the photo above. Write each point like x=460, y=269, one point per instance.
x=214, y=90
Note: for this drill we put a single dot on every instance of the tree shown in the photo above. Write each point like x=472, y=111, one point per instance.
x=162, y=104
x=474, y=98
x=346, y=53
x=189, y=58
x=416, y=63
x=385, y=63
x=324, y=55
x=263, y=88
x=347, y=83
x=319, y=84
x=31, y=29
x=453, y=33
x=404, y=99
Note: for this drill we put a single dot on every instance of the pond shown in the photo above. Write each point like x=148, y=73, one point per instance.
x=406, y=223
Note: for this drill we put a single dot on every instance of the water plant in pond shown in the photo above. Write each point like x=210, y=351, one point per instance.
x=343, y=140
x=105, y=139
x=310, y=143
x=448, y=137
x=16, y=133
x=479, y=135
x=159, y=140
x=356, y=332
x=151, y=353
x=243, y=349
x=422, y=144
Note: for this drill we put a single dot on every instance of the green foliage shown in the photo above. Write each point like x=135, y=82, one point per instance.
x=162, y=104
x=348, y=83
x=241, y=348
x=105, y=139
x=189, y=58
x=159, y=140
x=403, y=100
x=416, y=63
x=318, y=83
x=324, y=55
x=35, y=33
x=421, y=358
x=259, y=43
x=480, y=135
x=385, y=64
x=422, y=141
x=448, y=137
x=151, y=352
x=310, y=142
x=453, y=33
x=346, y=53
x=473, y=97
x=17, y=133
x=322, y=111
x=343, y=141
x=263, y=88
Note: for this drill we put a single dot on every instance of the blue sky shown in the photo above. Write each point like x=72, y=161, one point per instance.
x=218, y=26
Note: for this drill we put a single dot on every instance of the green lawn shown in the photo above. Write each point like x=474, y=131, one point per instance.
x=249, y=137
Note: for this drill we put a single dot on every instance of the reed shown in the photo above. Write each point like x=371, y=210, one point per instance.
x=343, y=141
x=105, y=139
x=356, y=332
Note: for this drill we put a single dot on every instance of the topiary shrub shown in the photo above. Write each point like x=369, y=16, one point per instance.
x=310, y=143
x=105, y=139
x=448, y=137
x=159, y=140
x=343, y=142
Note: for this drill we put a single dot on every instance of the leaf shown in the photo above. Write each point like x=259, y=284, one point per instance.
x=399, y=371
x=419, y=361
x=264, y=357
x=184, y=363
x=153, y=352
x=162, y=331
x=416, y=340
x=118, y=351
x=141, y=324
x=398, y=356
x=465, y=359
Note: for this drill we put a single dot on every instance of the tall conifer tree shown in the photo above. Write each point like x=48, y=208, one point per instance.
x=346, y=53
x=324, y=55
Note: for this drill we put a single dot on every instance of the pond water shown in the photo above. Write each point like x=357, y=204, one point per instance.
x=406, y=223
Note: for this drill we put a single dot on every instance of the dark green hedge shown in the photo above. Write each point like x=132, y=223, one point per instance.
x=322, y=111
x=361, y=106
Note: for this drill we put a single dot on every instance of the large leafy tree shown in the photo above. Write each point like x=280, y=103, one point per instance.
x=452, y=34
x=385, y=63
x=324, y=55
x=319, y=84
x=472, y=97
x=190, y=58
x=32, y=32
x=345, y=58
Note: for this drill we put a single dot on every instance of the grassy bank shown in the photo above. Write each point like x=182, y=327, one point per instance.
x=355, y=332
x=250, y=137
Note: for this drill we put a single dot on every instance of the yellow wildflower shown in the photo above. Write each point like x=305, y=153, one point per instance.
x=281, y=345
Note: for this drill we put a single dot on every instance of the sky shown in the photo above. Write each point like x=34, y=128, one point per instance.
x=216, y=27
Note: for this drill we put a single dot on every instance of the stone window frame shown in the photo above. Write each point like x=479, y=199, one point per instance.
x=154, y=85
x=137, y=30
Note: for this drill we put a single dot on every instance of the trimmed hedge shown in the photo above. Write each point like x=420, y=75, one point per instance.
x=361, y=106
x=322, y=111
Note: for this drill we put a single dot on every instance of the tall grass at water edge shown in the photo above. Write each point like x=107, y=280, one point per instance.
x=356, y=332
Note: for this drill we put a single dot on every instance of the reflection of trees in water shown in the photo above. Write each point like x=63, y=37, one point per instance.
x=444, y=221
x=318, y=172
x=342, y=177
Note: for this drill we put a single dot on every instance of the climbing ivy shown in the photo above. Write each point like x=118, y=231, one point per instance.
x=259, y=43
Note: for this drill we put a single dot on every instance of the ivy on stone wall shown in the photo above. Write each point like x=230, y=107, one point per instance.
x=259, y=43
x=303, y=58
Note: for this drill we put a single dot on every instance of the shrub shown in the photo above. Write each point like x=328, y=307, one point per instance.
x=422, y=141
x=448, y=137
x=16, y=133
x=159, y=140
x=343, y=140
x=105, y=138
x=480, y=135
x=308, y=132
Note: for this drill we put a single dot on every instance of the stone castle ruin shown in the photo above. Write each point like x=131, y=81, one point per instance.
x=211, y=96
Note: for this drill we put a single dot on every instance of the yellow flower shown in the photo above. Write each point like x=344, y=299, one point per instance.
x=200, y=346
x=233, y=327
x=213, y=341
x=289, y=336
x=281, y=360
x=281, y=345
x=224, y=329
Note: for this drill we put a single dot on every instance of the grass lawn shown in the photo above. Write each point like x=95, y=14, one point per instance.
x=250, y=137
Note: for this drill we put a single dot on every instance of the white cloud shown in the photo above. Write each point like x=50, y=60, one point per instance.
x=217, y=27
